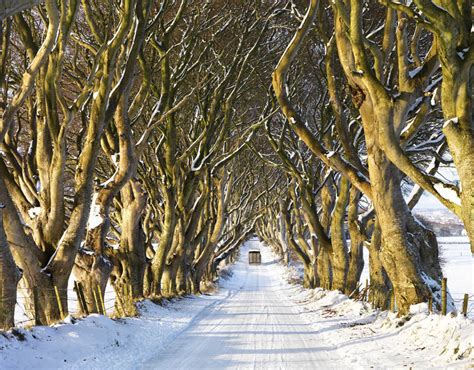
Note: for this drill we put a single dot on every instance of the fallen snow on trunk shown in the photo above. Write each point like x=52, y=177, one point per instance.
x=95, y=217
x=256, y=320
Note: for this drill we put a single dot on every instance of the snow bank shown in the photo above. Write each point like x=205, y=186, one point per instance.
x=338, y=328
x=451, y=338
x=97, y=342
x=419, y=340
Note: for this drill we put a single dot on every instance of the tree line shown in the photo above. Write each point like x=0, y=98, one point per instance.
x=143, y=141
x=380, y=93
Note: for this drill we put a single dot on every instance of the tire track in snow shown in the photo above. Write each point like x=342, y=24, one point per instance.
x=257, y=327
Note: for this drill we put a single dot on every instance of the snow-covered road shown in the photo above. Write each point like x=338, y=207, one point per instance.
x=256, y=320
x=255, y=326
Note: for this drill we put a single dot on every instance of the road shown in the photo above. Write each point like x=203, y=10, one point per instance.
x=256, y=326
x=257, y=320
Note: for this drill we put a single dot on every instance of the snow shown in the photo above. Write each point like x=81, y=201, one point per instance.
x=450, y=121
x=419, y=308
x=195, y=166
x=407, y=127
x=97, y=342
x=110, y=180
x=95, y=218
x=196, y=159
x=447, y=193
x=115, y=158
x=34, y=212
x=428, y=202
x=458, y=267
x=433, y=97
x=256, y=320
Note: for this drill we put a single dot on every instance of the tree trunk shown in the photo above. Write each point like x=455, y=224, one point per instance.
x=464, y=167
x=159, y=260
x=181, y=277
x=399, y=255
x=92, y=267
x=9, y=277
x=130, y=261
x=195, y=280
x=148, y=281
x=92, y=270
x=324, y=267
x=324, y=257
x=31, y=260
x=340, y=256
x=356, y=254
x=46, y=309
x=173, y=260
x=168, y=281
x=380, y=286
x=309, y=278
x=457, y=99
x=130, y=265
x=282, y=235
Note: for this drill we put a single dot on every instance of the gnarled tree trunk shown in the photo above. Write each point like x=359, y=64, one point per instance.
x=380, y=286
x=9, y=277
x=159, y=260
x=400, y=255
x=357, y=236
x=130, y=263
x=340, y=256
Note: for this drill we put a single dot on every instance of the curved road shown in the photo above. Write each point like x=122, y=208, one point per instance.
x=256, y=326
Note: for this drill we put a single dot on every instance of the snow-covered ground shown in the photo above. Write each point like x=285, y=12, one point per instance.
x=458, y=268
x=98, y=342
x=256, y=320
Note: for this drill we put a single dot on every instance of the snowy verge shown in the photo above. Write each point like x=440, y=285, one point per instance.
x=98, y=342
x=344, y=330
x=419, y=340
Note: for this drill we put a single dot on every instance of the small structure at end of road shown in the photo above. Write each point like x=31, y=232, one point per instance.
x=255, y=257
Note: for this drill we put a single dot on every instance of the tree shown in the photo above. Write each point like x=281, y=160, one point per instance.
x=401, y=256
x=450, y=23
x=36, y=180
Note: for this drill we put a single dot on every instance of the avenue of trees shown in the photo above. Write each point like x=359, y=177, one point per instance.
x=143, y=141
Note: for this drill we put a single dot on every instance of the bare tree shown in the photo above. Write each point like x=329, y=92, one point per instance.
x=401, y=256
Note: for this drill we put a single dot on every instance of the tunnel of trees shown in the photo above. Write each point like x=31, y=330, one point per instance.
x=143, y=141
